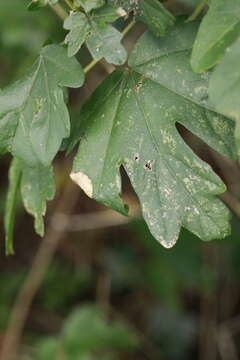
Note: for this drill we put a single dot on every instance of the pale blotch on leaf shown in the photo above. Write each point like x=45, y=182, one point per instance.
x=84, y=182
x=121, y=12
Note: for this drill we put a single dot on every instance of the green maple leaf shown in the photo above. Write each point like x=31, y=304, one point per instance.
x=37, y=186
x=101, y=38
x=219, y=28
x=131, y=121
x=33, y=115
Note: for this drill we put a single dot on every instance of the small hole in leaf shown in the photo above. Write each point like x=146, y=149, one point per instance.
x=136, y=157
x=148, y=165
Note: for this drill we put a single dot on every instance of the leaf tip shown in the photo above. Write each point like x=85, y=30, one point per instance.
x=169, y=243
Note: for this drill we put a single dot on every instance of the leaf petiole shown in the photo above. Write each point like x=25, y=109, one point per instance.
x=197, y=10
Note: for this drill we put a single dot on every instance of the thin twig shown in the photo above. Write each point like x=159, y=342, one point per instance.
x=60, y=11
x=128, y=27
x=48, y=247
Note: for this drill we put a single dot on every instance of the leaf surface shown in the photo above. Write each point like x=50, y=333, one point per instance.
x=131, y=121
x=224, y=87
x=89, y=5
x=102, y=39
x=157, y=18
x=79, y=28
x=219, y=28
x=33, y=115
x=37, y=186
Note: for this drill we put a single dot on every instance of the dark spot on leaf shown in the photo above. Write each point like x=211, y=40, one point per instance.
x=136, y=157
x=148, y=165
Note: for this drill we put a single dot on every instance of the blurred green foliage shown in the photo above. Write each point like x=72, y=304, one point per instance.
x=22, y=34
x=87, y=334
x=156, y=281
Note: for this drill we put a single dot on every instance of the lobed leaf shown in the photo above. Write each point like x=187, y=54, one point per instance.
x=79, y=28
x=219, y=28
x=131, y=121
x=101, y=38
x=33, y=115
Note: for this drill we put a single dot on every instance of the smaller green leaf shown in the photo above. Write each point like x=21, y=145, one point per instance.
x=155, y=16
x=219, y=28
x=34, y=118
x=79, y=28
x=106, y=42
x=15, y=173
x=37, y=186
x=102, y=39
x=89, y=5
x=224, y=87
x=130, y=120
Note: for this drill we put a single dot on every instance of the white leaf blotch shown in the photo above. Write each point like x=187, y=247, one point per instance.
x=84, y=182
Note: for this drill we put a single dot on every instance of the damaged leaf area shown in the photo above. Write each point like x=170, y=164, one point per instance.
x=131, y=121
x=33, y=115
x=102, y=39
